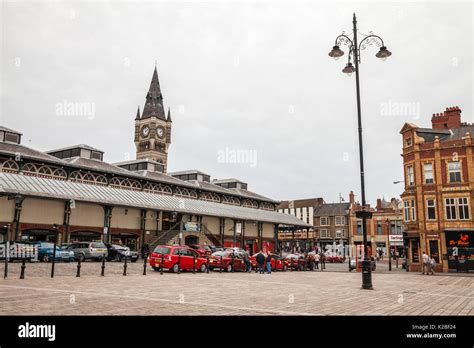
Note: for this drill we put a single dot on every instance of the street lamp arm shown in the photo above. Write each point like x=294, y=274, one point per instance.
x=370, y=40
x=344, y=39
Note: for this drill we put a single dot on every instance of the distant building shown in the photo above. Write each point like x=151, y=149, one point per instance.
x=331, y=223
x=439, y=191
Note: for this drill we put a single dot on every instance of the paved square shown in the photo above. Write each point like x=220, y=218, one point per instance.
x=281, y=293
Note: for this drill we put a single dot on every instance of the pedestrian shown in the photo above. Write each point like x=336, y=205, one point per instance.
x=456, y=257
x=316, y=260
x=260, y=262
x=381, y=254
x=432, y=265
x=248, y=266
x=145, y=250
x=269, y=263
x=426, y=263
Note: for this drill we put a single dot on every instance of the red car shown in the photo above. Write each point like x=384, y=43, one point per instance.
x=171, y=254
x=203, y=250
x=230, y=261
x=278, y=263
x=296, y=261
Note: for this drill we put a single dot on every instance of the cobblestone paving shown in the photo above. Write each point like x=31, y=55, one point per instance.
x=281, y=293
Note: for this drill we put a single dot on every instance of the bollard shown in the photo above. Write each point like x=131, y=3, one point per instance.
x=194, y=264
x=7, y=252
x=207, y=263
x=162, y=263
x=78, y=273
x=233, y=263
x=220, y=266
x=102, y=271
x=291, y=265
x=144, y=266
x=23, y=266
x=179, y=263
x=125, y=267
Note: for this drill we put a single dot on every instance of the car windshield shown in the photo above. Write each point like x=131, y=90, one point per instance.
x=98, y=245
x=223, y=253
x=162, y=250
x=119, y=247
x=47, y=245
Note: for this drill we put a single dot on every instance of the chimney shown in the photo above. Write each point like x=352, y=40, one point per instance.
x=379, y=204
x=450, y=118
x=351, y=197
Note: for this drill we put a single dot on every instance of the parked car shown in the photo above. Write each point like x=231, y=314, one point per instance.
x=46, y=249
x=202, y=250
x=353, y=263
x=214, y=248
x=172, y=254
x=88, y=250
x=119, y=252
x=230, y=261
x=278, y=263
x=296, y=261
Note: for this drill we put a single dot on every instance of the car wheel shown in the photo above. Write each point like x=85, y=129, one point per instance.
x=203, y=268
x=81, y=257
x=156, y=269
x=175, y=267
x=300, y=268
x=45, y=258
x=229, y=268
x=285, y=268
x=312, y=266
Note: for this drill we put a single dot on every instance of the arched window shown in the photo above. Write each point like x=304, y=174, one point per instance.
x=30, y=169
x=230, y=200
x=9, y=166
x=210, y=196
x=250, y=203
x=125, y=183
x=267, y=206
x=157, y=188
x=87, y=177
x=184, y=192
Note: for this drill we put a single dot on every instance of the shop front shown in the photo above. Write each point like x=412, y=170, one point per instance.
x=85, y=236
x=38, y=235
x=460, y=250
x=127, y=239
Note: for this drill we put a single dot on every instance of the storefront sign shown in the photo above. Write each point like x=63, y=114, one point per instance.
x=105, y=230
x=191, y=226
x=395, y=238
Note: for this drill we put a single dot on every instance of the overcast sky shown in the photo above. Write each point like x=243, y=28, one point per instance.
x=248, y=76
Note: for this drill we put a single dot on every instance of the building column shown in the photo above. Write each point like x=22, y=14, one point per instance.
x=275, y=237
x=260, y=235
x=234, y=234
x=16, y=219
x=242, y=243
x=221, y=230
x=66, y=219
x=142, y=226
x=107, y=238
x=159, y=221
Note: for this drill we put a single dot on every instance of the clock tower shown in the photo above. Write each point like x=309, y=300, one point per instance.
x=152, y=127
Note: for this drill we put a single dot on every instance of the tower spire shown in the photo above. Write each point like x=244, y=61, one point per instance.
x=138, y=113
x=168, y=119
x=154, y=99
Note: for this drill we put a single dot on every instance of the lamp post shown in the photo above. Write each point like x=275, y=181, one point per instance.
x=354, y=55
x=53, y=261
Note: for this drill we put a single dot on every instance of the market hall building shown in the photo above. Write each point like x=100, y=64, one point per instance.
x=72, y=194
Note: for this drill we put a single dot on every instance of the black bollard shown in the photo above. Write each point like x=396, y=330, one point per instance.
x=53, y=261
x=194, y=264
x=291, y=265
x=78, y=273
x=207, y=263
x=23, y=266
x=220, y=266
x=102, y=271
x=179, y=263
x=7, y=251
x=125, y=267
x=233, y=263
x=162, y=263
x=144, y=266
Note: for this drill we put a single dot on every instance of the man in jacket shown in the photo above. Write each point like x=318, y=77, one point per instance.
x=260, y=261
x=269, y=263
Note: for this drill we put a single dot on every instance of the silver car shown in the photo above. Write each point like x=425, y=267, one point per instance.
x=88, y=250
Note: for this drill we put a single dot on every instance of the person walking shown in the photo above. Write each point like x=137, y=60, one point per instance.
x=248, y=266
x=260, y=262
x=316, y=260
x=269, y=263
x=426, y=263
x=381, y=254
x=432, y=265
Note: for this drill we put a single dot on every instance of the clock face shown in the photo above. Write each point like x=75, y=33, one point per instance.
x=145, y=131
x=160, y=131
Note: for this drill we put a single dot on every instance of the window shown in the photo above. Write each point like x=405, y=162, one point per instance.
x=450, y=205
x=463, y=206
x=428, y=171
x=411, y=176
x=340, y=220
x=379, y=227
x=454, y=171
x=339, y=234
x=413, y=210
x=406, y=210
x=431, y=209
x=324, y=221
x=359, y=227
x=408, y=141
x=324, y=234
x=434, y=250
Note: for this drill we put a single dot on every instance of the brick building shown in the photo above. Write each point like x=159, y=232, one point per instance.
x=438, y=197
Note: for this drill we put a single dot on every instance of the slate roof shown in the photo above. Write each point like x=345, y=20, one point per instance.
x=331, y=209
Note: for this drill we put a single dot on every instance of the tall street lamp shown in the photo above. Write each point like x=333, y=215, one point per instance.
x=354, y=56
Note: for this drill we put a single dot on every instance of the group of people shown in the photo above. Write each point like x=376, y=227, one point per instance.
x=429, y=264
x=263, y=262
